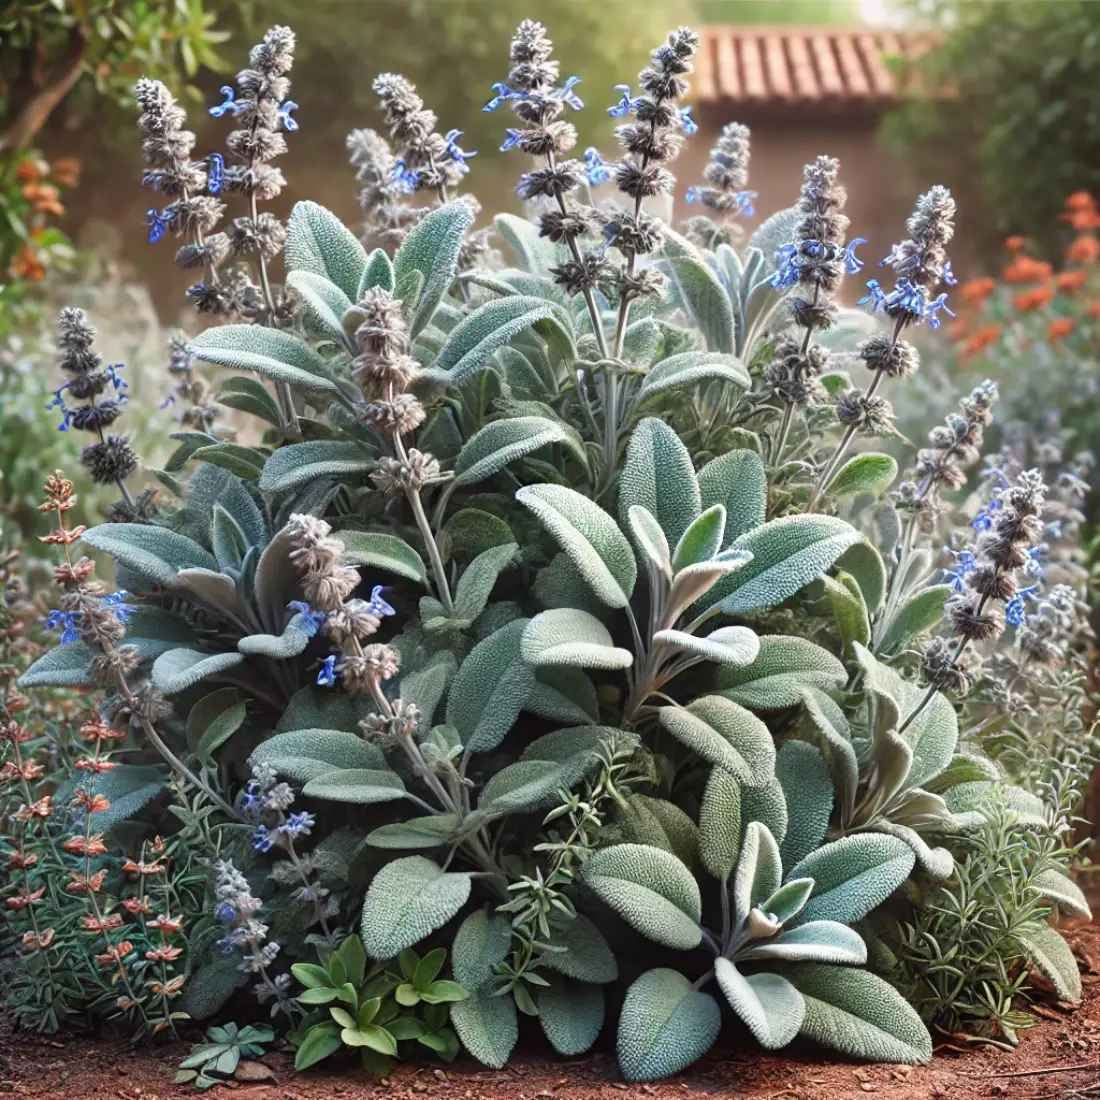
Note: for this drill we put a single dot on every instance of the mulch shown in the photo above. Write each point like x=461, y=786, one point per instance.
x=1057, y=1060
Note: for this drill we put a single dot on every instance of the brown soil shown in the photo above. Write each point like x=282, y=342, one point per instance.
x=1058, y=1060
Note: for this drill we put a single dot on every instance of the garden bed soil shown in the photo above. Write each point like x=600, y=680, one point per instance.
x=1057, y=1060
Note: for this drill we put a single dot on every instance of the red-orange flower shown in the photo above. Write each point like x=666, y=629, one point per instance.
x=172, y=989
x=166, y=923
x=83, y=884
x=102, y=924
x=38, y=941
x=65, y=171
x=92, y=803
x=19, y=860
x=135, y=905
x=23, y=900
x=88, y=764
x=1094, y=309
x=1034, y=298
x=1069, y=281
x=100, y=731
x=41, y=808
x=1060, y=327
x=115, y=953
x=981, y=338
x=977, y=290
x=1081, y=212
x=86, y=846
x=1084, y=250
x=1013, y=244
x=164, y=954
x=142, y=868
x=1026, y=269
x=27, y=264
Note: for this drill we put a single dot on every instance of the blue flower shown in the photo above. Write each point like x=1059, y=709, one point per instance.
x=169, y=400
x=251, y=802
x=512, y=140
x=225, y=912
x=117, y=600
x=408, y=179
x=964, y=566
x=66, y=619
x=289, y=124
x=503, y=92
x=982, y=521
x=215, y=173
x=112, y=374
x=694, y=194
x=948, y=274
x=875, y=295
x=566, y=94
x=1033, y=567
x=263, y=839
x=1016, y=608
x=744, y=204
x=625, y=104
x=327, y=676
x=312, y=621
x=459, y=156
x=298, y=824
x=379, y=605
x=230, y=103
x=786, y=269
x=58, y=402
x=594, y=167
x=689, y=124
x=931, y=311
x=157, y=223
x=852, y=263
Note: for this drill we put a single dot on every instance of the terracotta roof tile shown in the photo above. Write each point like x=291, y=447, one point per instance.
x=800, y=65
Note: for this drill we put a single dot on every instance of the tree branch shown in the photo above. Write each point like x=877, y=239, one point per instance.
x=36, y=111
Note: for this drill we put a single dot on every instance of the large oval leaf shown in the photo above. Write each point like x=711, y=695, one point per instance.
x=267, y=351
x=768, y=1005
x=305, y=754
x=474, y=340
x=319, y=243
x=700, y=292
x=503, y=441
x=692, y=368
x=381, y=551
x=300, y=463
x=362, y=786
x=179, y=669
x=658, y=476
x=724, y=734
x=427, y=261
x=567, y=636
x=154, y=552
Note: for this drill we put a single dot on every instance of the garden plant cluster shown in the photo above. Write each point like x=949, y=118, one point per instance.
x=525, y=624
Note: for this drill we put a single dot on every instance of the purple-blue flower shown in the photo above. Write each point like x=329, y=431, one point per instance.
x=932, y=310
x=225, y=912
x=157, y=223
x=1016, y=608
x=566, y=94
x=298, y=824
x=312, y=621
x=965, y=562
x=215, y=173
x=454, y=152
x=407, y=178
x=289, y=124
x=379, y=605
x=327, y=675
x=116, y=380
x=230, y=103
x=263, y=838
x=875, y=295
x=625, y=104
x=594, y=167
x=689, y=124
x=66, y=619
x=852, y=263
x=503, y=92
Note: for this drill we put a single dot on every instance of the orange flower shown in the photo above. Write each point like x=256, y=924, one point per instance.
x=1094, y=309
x=115, y=953
x=41, y=808
x=93, y=803
x=23, y=900
x=86, y=846
x=102, y=924
x=977, y=290
x=27, y=264
x=1084, y=250
x=1060, y=327
x=1081, y=212
x=66, y=171
x=83, y=884
x=1080, y=200
x=1014, y=244
x=100, y=731
x=28, y=169
x=164, y=954
x=1034, y=298
x=166, y=923
x=18, y=860
x=172, y=989
x=142, y=868
x=38, y=941
x=135, y=905
x=97, y=766
x=1069, y=281
x=1026, y=269
x=982, y=338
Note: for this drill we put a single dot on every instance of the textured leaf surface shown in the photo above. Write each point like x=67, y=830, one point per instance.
x=474, y=340
x=571, y=1014
x=819, y=941
x=664, y=1026
x=563, y=694
x=490, y=689
x=318, y=242
x=852, y=876
x=588, y=958
x=724, y=734
x=480, y=946
x=409, y=899
x=305, y=754
x=920, y=614
x=180, y=668
x=1062, y=890
x=67, y=665
x=660, y=824
x=571, y=637
x=702, y=539
x=759, y=870
x=651, y=890
x=720, y=823
x=865, y=564
x=589, y=536
x=362, y=786
x=808, y=792
x=788, y=553
x=769, y=1006
x=860, y=1015
x=700, y=292
x=290, y=643
x=420, y=832
x=267, y=351
x=378, y=272
x=728, y=645
x=154, y=552
x=658, y=476
x=299, y=463
x=488, y=1027
x=428, y=260
x=783, y=668
x=503, y=441
x=864, y=473
x=737, y=481
x=1049, y=953
x=381, y=551
x=691, y=368
x=479, y=578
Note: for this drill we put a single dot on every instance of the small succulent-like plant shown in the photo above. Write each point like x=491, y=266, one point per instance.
x=217, y=1060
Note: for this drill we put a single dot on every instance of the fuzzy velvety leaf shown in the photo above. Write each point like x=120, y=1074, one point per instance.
x=658, y=476
x=503, y=441
x=128, y=788
x=293, y=466
x=788, y=553
x=267, y=351
x=808, y=792
x=737, y=481
x=728, y=645
x=490, y=689
x=563, y=694
x=724, y=734
x=700, y=292
x=409, y=899
x=860, y=1015
x=864, y=473
x=488, y=1027
x=571, y=1014
x=427, y=261
x=863, y=562
x=68, y=665
x=154, y=552
x=650, y=889
x=178, y=669
x=664, y=1026
x=571, y=637
x=920, y=614
x=536, y=254
x=849, y=610
x=378, y=272
x=420, y=832
x=822, y=941
x=478, y=579
x=588, y=957
x=759, y=871
x=1063, y=891
x=378, y=550
x=319, y=243
x=244, y=462
x=591, y=538
x=290, y=643
x=323, y=305
x=692, y=368
x=784, y=667
x=305, y=754
x=768, y=1005
x=703, y=538
x=660, y=824
x=249, y=395
x=220, y=729
x=480, y=946
x=362, y=786
x=852, y=876
x=720, y=823
x=1049, y=953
